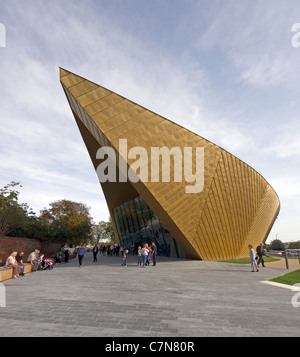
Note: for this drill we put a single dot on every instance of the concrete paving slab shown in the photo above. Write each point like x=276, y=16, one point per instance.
x=175, y=298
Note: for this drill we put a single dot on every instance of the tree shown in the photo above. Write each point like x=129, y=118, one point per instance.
x=110, y=232
x=99, y=232
x=13, y=215
x=294, y=245
x=277, y=244
x=70, y=221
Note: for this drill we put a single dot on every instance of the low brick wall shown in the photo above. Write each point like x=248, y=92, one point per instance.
x=7, y=273
x=26, y=245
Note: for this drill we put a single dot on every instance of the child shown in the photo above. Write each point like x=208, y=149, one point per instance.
x=139, y=256
x=125, y=254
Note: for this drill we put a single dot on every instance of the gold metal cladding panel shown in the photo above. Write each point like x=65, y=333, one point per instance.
x=167, y=221
x=262, y=221
x=111, y=112
x=128, y=127
x=225, y=234
x=142, y=133
x=69, y=80
x=218, y=222
x=92, y=96
x=236, y=206
x=120, y=118
x=183, y=211
x=101, y=104
x=88, y=124
x=239, y=193
x=115, y=193
x=63, y=72
x=81, y=88
x=221, y=194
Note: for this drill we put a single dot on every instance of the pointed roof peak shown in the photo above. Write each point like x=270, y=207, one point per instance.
x=63, y=72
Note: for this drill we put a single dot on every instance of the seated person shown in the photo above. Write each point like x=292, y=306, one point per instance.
x=58, y=257
x=41, y=261
x=33, y=259
x=19, y=259
x=11, y=262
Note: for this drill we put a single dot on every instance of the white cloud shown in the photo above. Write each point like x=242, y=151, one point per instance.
x=264, y=70
x=225, y=49
x=287, y=230
x=286, y=143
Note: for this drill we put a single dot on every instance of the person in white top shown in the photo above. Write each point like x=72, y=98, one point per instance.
x=252, y=258
x=11, y=261
x=145, y=253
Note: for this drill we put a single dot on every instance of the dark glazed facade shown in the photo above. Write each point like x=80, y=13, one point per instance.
x=137, y=224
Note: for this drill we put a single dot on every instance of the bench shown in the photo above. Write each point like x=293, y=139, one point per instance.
x=7, y=272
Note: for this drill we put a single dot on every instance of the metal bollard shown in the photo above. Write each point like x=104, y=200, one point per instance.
x=286, y=259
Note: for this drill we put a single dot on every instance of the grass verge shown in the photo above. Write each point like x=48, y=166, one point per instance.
x=289, y=278
x=247, y=260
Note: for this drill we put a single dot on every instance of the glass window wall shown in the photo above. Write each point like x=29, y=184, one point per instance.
x=137, y=224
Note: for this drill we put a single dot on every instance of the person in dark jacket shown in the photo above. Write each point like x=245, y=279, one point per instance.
x=153, y=253
x=67, y=254
x=19, y=259
x=259, y=253
x=95, y=252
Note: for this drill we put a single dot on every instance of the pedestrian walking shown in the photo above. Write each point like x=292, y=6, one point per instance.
x=153, y=253
x=260, y=253
x=139, y=252
x=125, y=255
x=252, y=258
x=95, y=252
x=80, y=255
x=67, y=254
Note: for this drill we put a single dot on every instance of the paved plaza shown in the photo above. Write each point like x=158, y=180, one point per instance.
x=176, y=298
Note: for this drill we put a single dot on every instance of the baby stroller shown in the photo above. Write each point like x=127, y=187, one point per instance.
x=47, y=264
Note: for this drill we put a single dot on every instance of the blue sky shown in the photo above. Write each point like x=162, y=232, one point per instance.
x=226, y=70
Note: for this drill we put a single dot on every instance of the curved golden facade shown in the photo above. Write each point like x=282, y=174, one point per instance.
x=236, y=207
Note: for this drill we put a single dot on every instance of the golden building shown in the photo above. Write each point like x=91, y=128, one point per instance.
x=235, y=207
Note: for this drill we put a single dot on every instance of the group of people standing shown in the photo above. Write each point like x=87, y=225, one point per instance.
x=63, y=255
x=256, y=256
x=144, y=255
x=112, y=249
